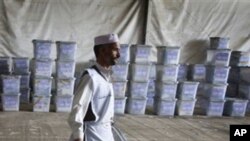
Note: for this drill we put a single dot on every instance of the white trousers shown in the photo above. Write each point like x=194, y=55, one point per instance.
x=98, y=132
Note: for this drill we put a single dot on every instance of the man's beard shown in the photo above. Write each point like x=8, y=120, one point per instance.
x=113, y=61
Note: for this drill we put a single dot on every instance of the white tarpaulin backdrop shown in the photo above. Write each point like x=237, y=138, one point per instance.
x=184, y=23
x=190, y=23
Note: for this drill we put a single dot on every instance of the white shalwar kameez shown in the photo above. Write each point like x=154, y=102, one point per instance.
x=97, y=90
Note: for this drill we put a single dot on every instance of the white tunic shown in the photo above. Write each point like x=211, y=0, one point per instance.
x=95, y=89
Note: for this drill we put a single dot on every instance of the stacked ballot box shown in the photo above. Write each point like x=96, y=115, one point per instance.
x=238, y=78
x=186, y=97
x=235, y=107
x=41, y=70
x=10, y=95
x=183, y=72
x=65, y=72
x=139, y=73
x=240, y=69
x=217, y=72
x=120, y=79
x=167, y=69
x=21, y=66
x=197, y=73
x=5, y=68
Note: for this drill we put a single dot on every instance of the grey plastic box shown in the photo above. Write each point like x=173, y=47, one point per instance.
x=66, y=50
x=136, y=106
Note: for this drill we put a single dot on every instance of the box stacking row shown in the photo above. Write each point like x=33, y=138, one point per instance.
x=65, y=71
x=120, y=79
x=42, y=75
x=138, y=79
x=10, y=92
x=239, y=84
x=166, y=80
x=217, y=70
x=14, y=82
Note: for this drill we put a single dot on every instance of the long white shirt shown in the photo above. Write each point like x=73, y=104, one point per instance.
x=98, y=91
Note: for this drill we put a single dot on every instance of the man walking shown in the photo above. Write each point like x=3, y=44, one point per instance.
x=93, y=105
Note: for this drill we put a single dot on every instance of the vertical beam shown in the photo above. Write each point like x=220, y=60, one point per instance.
x=148, y=10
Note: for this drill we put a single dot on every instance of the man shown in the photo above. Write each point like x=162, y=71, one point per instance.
x=93, y=104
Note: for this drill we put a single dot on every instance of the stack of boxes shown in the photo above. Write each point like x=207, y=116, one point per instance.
x=21, y=66
x=15, y=78
x=119, y=79
x=65, y=71
x=138, y=79
x=41, y=75
x=5, y=68
x=197, y=73
x=166, y=80
x=10, y=92
x=239, y=85
x=217, y=70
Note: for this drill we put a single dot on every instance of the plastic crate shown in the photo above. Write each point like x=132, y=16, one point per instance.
x=166, y=90
x=140, y=72
x=164, y=107
x=235, y=107
x=25, y=95
x=25, y=81
x=182, y=72
x=248, y=107
x=63, y=103
x=243, y=72
x=120, y=72
x=168, y=55
x=140, y=53
x=212, y=107
x=185, y=107
x=217, y=74
x=10, y=102
x=119, y=88
x=20, y=65
x=42, y=49
x=120, y=104
x=187, y=90
x=42, y=68
x=138, y=89
x=244, y=91
x=5, y=65
x=234, y=75
x=197, y=72
x=41, y=103
x=124, y=53
x=218, y=57
x=167, y=73
x=42, y=86
x=239, y=58
x=219, y=42
x=136, y=106
x=215, y=91
x=232, y=90
x=65, y=86
x=65, y=69
x=66, y=51
x=11, y=84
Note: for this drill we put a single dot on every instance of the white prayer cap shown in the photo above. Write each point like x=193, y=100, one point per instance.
x=106, y=39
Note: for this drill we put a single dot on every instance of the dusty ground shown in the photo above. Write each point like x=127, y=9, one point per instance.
x=26, y=125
